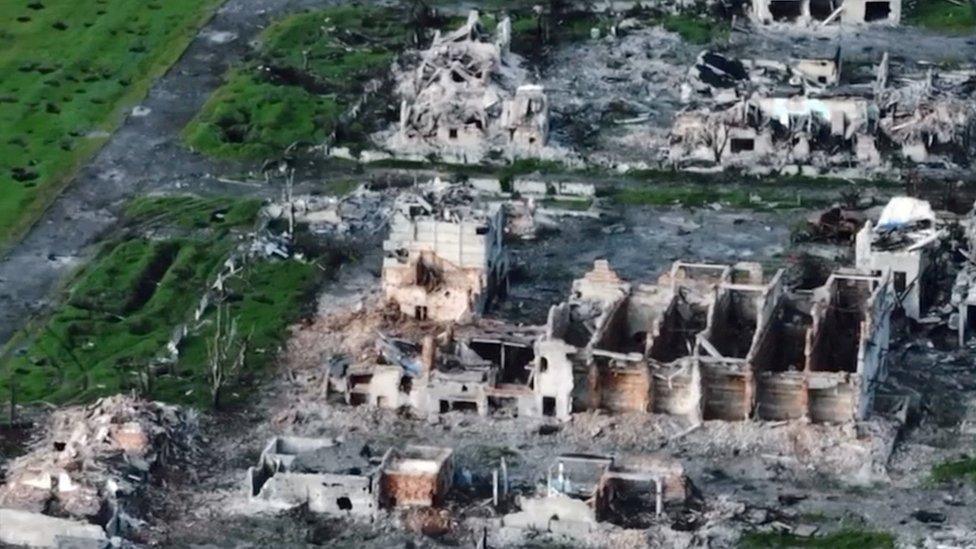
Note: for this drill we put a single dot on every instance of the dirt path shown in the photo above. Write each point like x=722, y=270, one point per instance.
x=144, y=155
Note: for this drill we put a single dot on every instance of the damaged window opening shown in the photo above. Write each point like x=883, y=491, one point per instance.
x=877, y=11
x=901, y=281
x=549, y=406
x=785, y=10
x=452, y=133
x=344, y=504
x=464, y=406
x=821, y=9
x=420, y=313
x=739, y=145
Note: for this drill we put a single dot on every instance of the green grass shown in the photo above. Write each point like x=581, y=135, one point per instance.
x=192, y=212
x=698, y=196
x=121, y=309
x=249, y=118
x=310, y=67
x=68, y=71
x=567, y=204
x=963, y=469
x=117, y=317
x=844, y=539
x=696, y=29
x=265, y=299
x=943, y=16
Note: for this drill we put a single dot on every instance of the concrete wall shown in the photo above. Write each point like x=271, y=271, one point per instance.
x=554, y=378
x=810, y=11
x=23, y=528
x=912, y=265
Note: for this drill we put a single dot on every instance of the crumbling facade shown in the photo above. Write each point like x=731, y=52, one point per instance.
x=750, y=113
x=346, y=479
x=468, y=96
x=444, y=259
x=716, y=342
x=582, y=490
x=329, y=477
x=826, y=12
x=477, y=367
x=903, y=242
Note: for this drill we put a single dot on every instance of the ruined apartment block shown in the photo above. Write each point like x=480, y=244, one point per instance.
x=442, y=260
x=749, y=113
x=479, y=368
x=826, y=12
x=468, y=96
x=905, y=242
x=716, y=342
x=347, y=479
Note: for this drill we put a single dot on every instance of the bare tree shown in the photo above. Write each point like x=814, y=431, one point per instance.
x=225, y=354
x=716, y=136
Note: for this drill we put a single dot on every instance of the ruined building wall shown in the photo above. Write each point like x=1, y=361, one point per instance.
x=909, y=269
x=779, y=363
x=624, y=389
x=441, y=270
x=821, y=11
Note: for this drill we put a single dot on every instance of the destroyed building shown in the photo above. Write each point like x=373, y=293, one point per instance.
x=778, y=131
x=582, y=490
x=480, y=367
x=329, y=476
x=343, y=478
x=904, y=242
x=802, y=112
x=88, y=469
x=467, y=96
x=445, y=257
x=716, y=342
x=826, y=12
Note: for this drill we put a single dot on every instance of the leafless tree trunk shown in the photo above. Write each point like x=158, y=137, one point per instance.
x=225, y=354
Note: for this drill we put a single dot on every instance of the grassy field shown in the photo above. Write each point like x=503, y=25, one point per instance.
x=943, y=16
x=844, y=539
x=121, y=309
x=68, y=71
x=309, y=69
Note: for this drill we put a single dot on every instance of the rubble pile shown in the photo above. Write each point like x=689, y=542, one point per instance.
x=467, y=95
x=90, y=457
x=805, y=112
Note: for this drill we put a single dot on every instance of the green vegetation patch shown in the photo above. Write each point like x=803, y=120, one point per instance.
x=844, y=539
x=192, y=212
x=68, y=70
x=964, y=469
x=309, y=70
x=122, y=308
x=265, y=298
x=118, y=317
x=698, y=196
x=942, y=15
x=696, y=29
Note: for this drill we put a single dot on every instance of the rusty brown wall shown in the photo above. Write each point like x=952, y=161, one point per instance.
x=725, y=395
x=780, y=397
x=832, y=405
x=625, y=390
x=400, y=490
